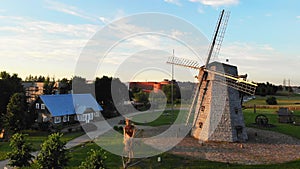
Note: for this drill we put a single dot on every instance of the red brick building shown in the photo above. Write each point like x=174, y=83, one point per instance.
x=149, y=86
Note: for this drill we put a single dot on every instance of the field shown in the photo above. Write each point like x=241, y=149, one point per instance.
x=166, y=118
x=35, y=138
x=292, y=101
x=288, y=129
x=174, y=161
x=168, y=161
x=79, y=153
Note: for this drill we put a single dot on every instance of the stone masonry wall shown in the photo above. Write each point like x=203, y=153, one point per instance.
x=221, y=117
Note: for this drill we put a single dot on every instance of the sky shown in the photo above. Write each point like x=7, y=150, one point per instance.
x=70, y=37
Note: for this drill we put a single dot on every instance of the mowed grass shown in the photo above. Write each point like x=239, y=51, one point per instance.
x=271, y=114
x=35, y=138
x=168, y=161
x=163, y=118
x=79, y=153
x=292, y=100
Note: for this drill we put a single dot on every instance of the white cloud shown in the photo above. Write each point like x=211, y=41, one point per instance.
x=31, y=46
x=119, y=14
x=261, y=62
x=104, y=20
x=217, y=3
x=176, y=2
x=298, y=17
x=71, y=10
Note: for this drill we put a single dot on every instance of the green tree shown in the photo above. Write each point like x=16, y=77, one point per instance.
x=104, y=94
x=95, y=160
x=65, y=86
x=9, y=84
x=20, y=154
x=48, y=86
x=264, y=89
x=16, y=115
x=271, y=100
x=141, y=97
x=167, y=89
x=53, y=154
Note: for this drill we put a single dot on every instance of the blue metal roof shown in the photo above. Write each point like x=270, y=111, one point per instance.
x=67, y=104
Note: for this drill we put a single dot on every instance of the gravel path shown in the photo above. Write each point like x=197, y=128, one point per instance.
x=263, y=147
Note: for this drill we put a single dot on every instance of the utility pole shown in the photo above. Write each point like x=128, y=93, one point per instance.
x=172, y=86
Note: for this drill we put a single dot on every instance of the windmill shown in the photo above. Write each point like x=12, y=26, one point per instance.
x=216, y=105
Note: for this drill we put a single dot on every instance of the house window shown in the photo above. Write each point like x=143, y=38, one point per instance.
x=65, y=118
x=84, y=117
x=57, y=119
x=97, y=114
x=45, y=118
x=37, y=105
x=79, y=117
x=91, y=116
x=43, y=106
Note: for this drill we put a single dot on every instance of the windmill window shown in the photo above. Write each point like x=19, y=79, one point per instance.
x=239, y=132
x=43, y=106
x=200, y=125
x=236, y=110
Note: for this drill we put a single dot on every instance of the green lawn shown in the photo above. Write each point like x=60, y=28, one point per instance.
x=79, y=153
x=288, y=129
x=166, y=118
x=167, y=161
x=293, y=100
x=35, y=138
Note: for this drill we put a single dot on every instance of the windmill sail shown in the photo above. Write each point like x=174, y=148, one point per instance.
x=218, y=36
x=220, y=77
x=216, y=113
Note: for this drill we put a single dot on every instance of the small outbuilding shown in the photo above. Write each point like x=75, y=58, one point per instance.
x=285, y=115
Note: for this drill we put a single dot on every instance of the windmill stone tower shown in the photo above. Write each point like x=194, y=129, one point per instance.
x=219, y=117
x=216, y=107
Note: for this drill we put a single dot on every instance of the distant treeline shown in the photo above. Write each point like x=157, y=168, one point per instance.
x=267, y=88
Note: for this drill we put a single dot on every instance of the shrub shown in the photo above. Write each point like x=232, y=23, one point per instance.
x=271, y=101
x=119, y=129
x=20, y=155
x=95, y=160
x=53, y=154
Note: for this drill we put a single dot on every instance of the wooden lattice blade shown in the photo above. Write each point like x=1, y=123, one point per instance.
x=225, y=79
x=184, y=62
x=233, y=82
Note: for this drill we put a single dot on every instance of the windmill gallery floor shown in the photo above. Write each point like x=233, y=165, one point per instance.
x=263, y=147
